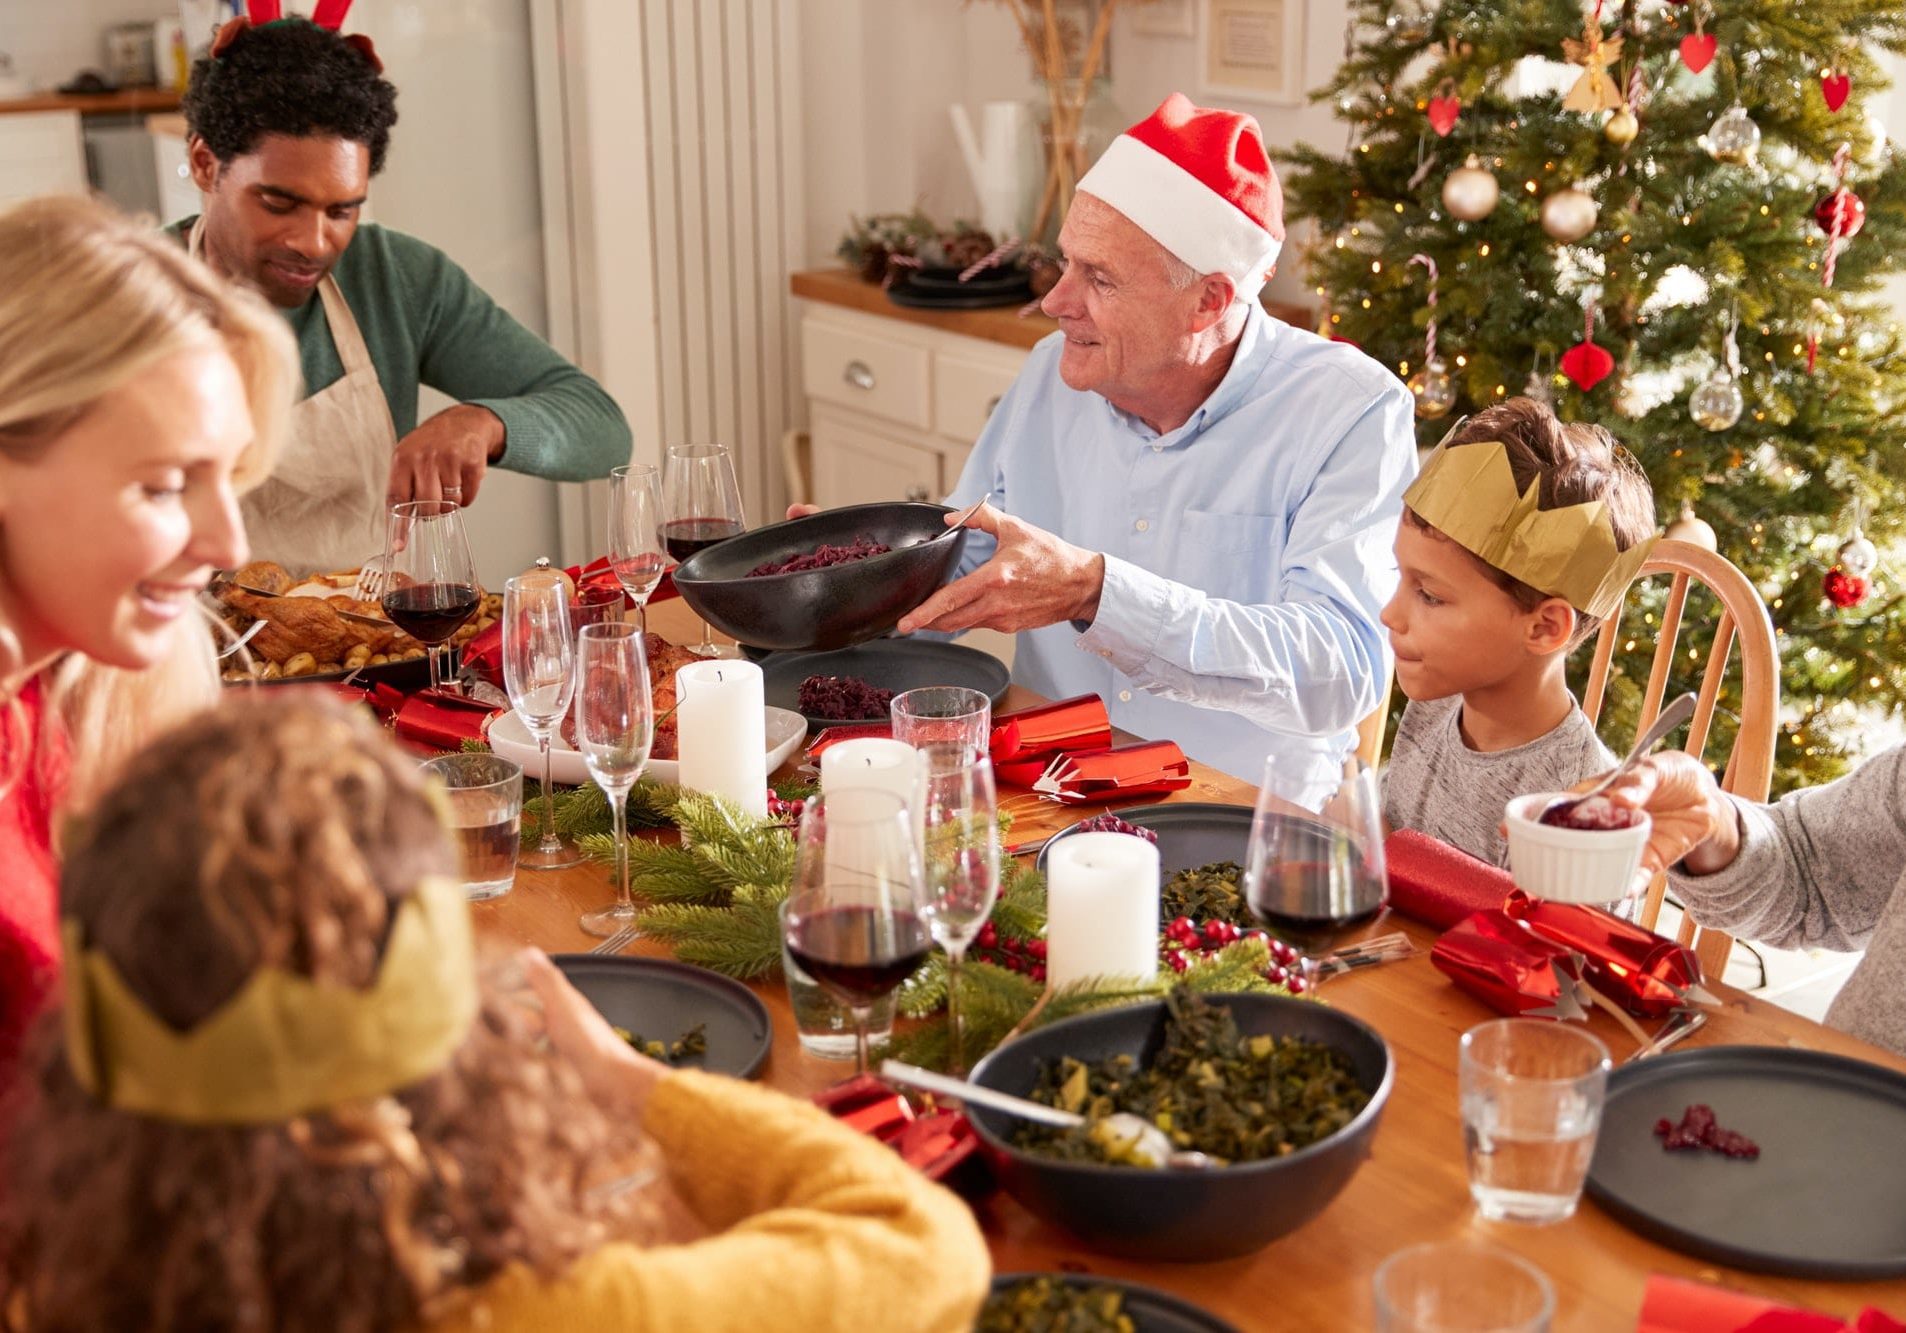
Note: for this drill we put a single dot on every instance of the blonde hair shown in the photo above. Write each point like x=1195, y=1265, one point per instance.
x=90, y=299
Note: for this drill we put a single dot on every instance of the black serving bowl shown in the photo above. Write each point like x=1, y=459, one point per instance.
x=1194, y=1215
x=835, y=607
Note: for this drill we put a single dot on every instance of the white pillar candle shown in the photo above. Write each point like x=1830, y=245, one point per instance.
x=873, y=761
x=1101, y=907
x=722, y=726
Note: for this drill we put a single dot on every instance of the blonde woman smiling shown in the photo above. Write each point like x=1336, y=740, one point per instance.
x=139, y=394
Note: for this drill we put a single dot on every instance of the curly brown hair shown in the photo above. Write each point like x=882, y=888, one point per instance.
x=285, y=834
x=1575, y=462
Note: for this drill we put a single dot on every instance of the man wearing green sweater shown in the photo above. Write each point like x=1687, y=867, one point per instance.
x=288, y=122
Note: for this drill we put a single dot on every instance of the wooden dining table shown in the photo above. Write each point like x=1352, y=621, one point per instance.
x=1413, y=1188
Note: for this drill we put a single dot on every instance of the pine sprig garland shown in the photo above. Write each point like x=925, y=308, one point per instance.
x=741, y=938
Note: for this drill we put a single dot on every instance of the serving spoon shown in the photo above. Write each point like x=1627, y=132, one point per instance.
x=1127, y=1135
x=1671, y=717
x=959, y=520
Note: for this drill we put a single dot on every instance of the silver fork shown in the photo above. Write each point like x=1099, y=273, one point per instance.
x=370, y=581
x=617, y=942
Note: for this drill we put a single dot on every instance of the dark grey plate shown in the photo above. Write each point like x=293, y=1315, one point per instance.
x=1825, y=1199
x=660, y=1000
x=1150, y=1310
x=891, y=664
x=1190, y=834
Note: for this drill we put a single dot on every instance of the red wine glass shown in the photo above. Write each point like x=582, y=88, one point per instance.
x=430, y=581
x=701, y=505
x=1314, y=865
x=855, y=920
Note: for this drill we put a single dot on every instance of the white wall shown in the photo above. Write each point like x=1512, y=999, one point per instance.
x=877, y=138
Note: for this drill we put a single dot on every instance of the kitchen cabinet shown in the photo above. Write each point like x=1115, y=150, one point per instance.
x=41, y=152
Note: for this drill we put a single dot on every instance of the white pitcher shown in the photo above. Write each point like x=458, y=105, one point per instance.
x=997, y=161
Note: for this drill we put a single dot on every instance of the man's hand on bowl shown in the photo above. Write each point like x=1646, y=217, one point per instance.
x=1033, y=579
x=802, y=511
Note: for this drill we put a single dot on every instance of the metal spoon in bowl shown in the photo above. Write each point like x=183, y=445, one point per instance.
x=1671, y=717
x=960, y=520
x=1128, y=1135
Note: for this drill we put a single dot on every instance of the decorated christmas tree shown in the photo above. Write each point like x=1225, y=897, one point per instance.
x=1674, y=220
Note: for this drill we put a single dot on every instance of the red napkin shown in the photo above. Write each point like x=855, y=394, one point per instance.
x=1675, y=1305
x=1437, y=884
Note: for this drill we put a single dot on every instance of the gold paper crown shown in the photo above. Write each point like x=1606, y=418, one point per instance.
x=284, y=1045
x=1468, y=493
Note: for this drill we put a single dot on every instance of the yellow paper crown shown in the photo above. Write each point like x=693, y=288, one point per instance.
x=1468, y=493
x=284, y=1045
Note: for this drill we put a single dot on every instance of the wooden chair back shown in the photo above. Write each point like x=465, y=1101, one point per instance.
x=1744, y=623
x=1370, y=730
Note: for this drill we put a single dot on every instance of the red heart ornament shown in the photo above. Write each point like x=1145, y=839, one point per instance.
x=1835, y=87
x=1587, y=364
x=1442, y=114
x=1697, y=50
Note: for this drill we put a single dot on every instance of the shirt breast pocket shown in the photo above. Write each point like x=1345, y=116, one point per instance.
x=1258, y=536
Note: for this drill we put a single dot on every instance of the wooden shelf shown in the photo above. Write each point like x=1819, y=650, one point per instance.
x=131, y=101
x=1000, y=324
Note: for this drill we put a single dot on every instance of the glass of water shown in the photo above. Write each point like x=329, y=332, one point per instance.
x=825, y=1025
x=943, y=714
x=484, y=793
x=1532, y=1094
x=1461, y=1286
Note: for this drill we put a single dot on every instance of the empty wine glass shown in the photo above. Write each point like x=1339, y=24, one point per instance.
x=701, y=504
x=539, y=671
x=430, y=583
x=854, y=920
x=635, y=533
x=1314, y=865
x=615, y=724
x=959, y=818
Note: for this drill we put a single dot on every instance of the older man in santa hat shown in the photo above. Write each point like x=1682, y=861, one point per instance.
x=1193, y=502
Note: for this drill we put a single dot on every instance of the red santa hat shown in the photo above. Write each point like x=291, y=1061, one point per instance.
x=1198, y=182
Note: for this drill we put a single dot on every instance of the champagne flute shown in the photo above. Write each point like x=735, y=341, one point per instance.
x=635, y=533
x=615, y=724
x=854, y=916
x=959, y=817
x=430, y=576
x=702, y=504
x=1314, y=865
x=539, y=671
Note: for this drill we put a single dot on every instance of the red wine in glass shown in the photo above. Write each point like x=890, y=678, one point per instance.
x=431, y=612
x=859, y=953
x=685, y=536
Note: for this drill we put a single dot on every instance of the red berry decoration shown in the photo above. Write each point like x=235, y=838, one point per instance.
x=1852, y=219
x=1844, y=590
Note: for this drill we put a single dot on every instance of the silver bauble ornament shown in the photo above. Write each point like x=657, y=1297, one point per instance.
x=1858, y=556
x=1410, y=20
x=1433, y=389
x=1717, y=404
x=1621, y=125
x=1540, y=389
x=1470, y=192
x=1733, y=138
x=1691, y=528
x=1569, y=214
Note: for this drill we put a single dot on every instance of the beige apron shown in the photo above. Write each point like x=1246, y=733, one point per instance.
x=323, y=507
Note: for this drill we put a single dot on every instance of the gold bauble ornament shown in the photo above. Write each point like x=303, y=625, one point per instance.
x=1717, y=404
x=1621, y=125
x=1569, y=214
x=1470, y=192
x=1433, y=389
x=1691, y=528
x=1410, y=20
x=1734, y=137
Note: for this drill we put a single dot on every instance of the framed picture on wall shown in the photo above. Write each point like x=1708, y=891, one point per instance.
x=1166, y=18
x=1253, y=49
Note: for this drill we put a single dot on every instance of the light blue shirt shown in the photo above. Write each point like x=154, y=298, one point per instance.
x=1247, y=553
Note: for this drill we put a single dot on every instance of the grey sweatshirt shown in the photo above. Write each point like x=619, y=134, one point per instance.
x=1826, y=867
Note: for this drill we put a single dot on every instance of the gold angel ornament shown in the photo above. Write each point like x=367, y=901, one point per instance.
x=1594, y=91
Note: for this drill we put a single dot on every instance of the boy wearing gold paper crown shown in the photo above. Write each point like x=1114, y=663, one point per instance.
x=1518, y=538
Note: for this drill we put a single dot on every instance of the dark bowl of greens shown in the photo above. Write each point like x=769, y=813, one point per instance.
x=826, y=581
x=1286, y=1092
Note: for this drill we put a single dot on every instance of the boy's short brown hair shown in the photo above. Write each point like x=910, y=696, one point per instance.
x=1575, y=462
